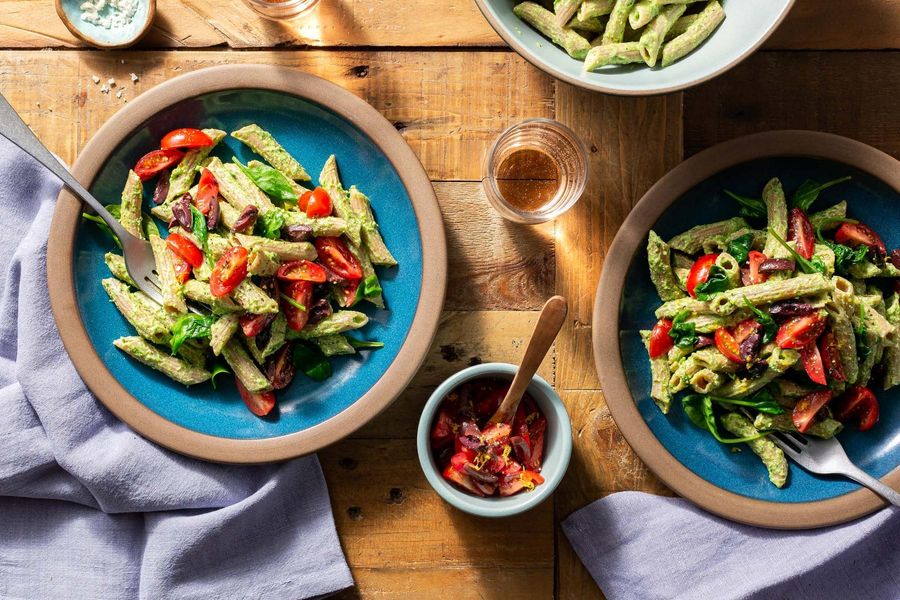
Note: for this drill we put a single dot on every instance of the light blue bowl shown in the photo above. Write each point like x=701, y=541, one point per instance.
x=557, y=446
x=101, y=37
x=747, y=25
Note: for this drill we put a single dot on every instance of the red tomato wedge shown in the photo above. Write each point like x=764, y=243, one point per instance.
x=259, y=403
x=159, y=160
x=207, y=191
x=301, y=293
x=800, y=231
x=727, y=345
x=858, y=402
x=252, y=325
x=185, y=138
x=808, y=407
x=831, y=357
x=229, y=272
x=442, y=431
x=800, y=331
x=754, y=260
x=301, y=270
x=660, y=340
x=334, y=254
x=316, y=203
x=854, y=234
x=812, y=362
x=699, y=272
x=182, y=267
x=348, y=291
x=185, y=248
x=743, y=329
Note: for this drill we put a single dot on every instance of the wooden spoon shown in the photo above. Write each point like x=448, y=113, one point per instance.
x=551, y=319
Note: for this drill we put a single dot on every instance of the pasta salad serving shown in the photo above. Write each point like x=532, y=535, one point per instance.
x=779, y=319
x=272, y=269
x=620, y=32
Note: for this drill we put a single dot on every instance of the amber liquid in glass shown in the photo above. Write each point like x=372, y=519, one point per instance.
x=528, y=179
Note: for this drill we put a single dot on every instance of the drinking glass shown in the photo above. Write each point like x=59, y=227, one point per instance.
x=281, y=9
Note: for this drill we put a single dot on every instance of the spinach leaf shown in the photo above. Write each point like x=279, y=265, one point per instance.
x=716, y=282
x=217, y=369
x=363, y=345
x=770, y=327
x=809, y=191
x=201, y=232
x=761, y=401
x=750, y=207
x=844, y=256
x=272, y=181
x=103, y=227
x=807, y=266
x=188, y=327
x=684, y=334
x=739, y=247
x=691, y=405
x=312, y=362
x=699, y=410
x=270, y=223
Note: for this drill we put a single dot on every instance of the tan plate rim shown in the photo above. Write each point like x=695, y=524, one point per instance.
x=60, y=263
x=801, y=515
x=74, y=30
x=519, y=47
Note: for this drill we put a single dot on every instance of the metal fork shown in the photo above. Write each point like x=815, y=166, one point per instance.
x=138, y=256
x=827, y=457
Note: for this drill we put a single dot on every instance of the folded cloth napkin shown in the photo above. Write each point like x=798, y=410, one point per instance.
x=89, y=509
x=637, y=545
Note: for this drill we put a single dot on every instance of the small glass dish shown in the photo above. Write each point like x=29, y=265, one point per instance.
x=281, y=9
x=552, y=144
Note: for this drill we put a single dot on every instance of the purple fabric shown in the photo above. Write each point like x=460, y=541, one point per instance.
x=89, y=509
x=637, y=545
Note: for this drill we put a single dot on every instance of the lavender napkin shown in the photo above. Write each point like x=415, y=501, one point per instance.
x=637, y=545
x=89, y=509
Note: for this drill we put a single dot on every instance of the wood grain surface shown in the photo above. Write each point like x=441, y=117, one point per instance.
x=438, y=72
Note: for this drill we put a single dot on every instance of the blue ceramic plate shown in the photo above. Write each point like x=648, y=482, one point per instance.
x=870, y=199
x=311, y=130
x=746, y=26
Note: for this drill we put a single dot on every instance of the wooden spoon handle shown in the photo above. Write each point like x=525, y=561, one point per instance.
x=550, y=321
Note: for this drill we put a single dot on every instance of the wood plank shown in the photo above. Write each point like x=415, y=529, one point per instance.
x=449, y=106
x=809, y=90
x=389, y=517
x=399, y=583
x=633, y=142
x=813, y=24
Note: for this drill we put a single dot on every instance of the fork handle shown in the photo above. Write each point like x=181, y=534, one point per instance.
x=13, y=128
x=863, y=478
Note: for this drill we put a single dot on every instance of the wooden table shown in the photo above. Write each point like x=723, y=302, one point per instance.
x=440, y=74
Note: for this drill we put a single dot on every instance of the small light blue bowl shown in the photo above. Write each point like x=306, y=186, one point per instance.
x=557, y=446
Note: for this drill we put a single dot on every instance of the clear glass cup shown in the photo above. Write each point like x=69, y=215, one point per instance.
x=281, y=9
x=560, y=145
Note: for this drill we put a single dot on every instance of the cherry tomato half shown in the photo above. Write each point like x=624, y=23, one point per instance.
x=727, y=345
x=207, y=191
x=185, y=138
x=301, y=270
x=229, y=272
x=699, y=272
x=252, y=325
x=185, y=248
x=800, y=231
x=812, y=363
x=301, y=293
x=808, y=407
x=159, y=160
x=259, y=403
x=334, y=254
x=182, y=267
x=831, y=356
x=315, y=203
x=660, y=340
x=800, y=331
x=854, y=234
x=858, y=402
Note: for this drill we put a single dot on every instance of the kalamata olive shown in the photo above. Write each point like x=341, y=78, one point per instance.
x=770, y=265
x=703, y=341
x=181, y=212
x=875, y=255
x=297, y=233
x=479, y=475
x=790, y=308
x=270, y=286
x=246, y=221
x=895, y=258
x=162, y=188
x=212, y=219
x=280, y=367
x=750, y=346
x=521, y=448
x=321, y=309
